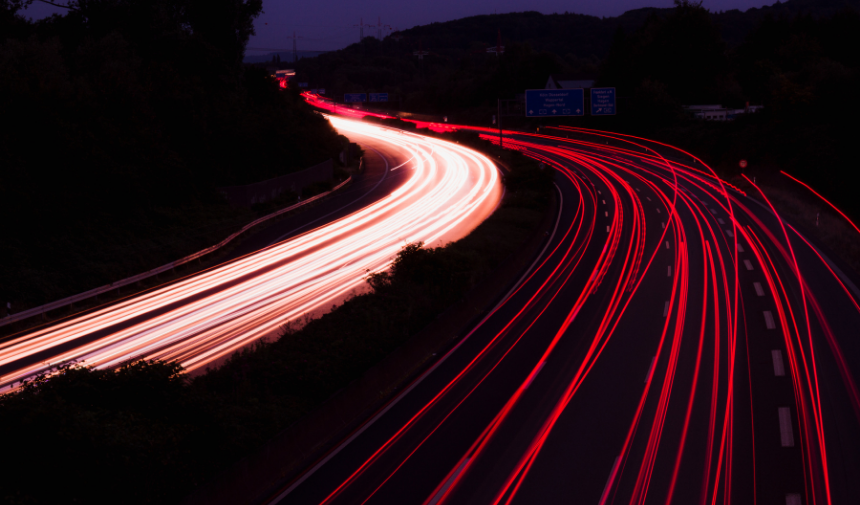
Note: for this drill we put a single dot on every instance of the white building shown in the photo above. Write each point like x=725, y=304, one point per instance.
x=718, y=112
x=563, y=82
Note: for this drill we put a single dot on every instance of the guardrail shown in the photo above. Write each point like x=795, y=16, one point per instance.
x=35, y=311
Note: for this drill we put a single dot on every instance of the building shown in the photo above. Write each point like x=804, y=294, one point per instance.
x=718, y=112
x=567, y=82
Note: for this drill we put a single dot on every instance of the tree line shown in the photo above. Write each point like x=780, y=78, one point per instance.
x=120, y=120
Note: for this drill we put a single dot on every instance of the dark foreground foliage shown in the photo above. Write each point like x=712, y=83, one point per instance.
x=120, y=119
x=149, y=434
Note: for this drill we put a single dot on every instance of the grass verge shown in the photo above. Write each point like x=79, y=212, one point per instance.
x=101, y=434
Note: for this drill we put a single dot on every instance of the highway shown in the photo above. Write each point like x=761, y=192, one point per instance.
x=435, y=192
x=675, y=342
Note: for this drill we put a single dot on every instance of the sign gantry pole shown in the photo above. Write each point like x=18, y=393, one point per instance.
x=499, y=115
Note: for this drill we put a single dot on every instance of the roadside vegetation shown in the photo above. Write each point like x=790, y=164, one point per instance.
x=796, y=58
x=150, y=434
x=121, y=118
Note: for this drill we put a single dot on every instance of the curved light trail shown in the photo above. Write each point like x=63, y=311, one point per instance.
x=657, y=270
x=449, y=190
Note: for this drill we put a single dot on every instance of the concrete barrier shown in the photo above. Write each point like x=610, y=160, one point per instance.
x=35, y=311
x=259, y=192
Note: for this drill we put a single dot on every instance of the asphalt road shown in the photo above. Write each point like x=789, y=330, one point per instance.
x=415, y=189
x=661, y=350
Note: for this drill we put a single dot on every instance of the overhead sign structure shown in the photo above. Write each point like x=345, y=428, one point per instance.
x=354, y=97
x=602, y=101
x=379, y=97
x=555, y=102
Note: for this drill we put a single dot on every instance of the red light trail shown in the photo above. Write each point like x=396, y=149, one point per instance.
x=505, y=415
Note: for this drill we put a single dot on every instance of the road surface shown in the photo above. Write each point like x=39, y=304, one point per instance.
x=440, y=192
x=675, y=342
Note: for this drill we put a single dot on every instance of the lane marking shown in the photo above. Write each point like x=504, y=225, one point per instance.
x=786, y=436
x=405, y=162
x=729, y=233
x=670, y=271
x=665, y=309
x=371, y=190
x=598, y=192
x=778, y=365
x=436, y=365
x=768, y=320
x=740, y=247
x=637, y=190
x=609, y=480
x=658, y=211
x=532, y=378
x=604, y=202
x=793, y=499
x=748, y=264
x=607, y=228
x=720, y=220
x=663, y=225
x=667, y=244
x=648, y=198
x=650, y=370
x=759, y=291
x=448, y=483
x=606, y=213
x=712, y=211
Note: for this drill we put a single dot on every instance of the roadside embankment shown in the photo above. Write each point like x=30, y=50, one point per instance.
x=512, y=238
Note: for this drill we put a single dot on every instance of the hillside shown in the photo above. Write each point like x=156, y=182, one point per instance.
x=566, y=43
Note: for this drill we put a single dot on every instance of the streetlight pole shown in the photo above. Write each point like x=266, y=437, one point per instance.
x=499, y=115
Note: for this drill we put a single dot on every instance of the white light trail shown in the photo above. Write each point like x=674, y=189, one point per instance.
x=450, y=190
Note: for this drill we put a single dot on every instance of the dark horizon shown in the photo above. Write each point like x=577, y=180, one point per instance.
x=333, y=24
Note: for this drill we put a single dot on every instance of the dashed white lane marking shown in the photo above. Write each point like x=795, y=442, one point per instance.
x=650, y=370
x=665, y=309
x=598, y=192
x=712, y=211
x=607, y=228
x=670, y=271
x=648, y=198
x=786, y=436
x=606, y=213
x=606, y=487
x=748, y=264
x=740, y=247
x=637, y=190
x=533, y=377
x=604, y=202
x=792, y=499
x=667, y=244
x=758, y=289
x=768, y=320
x=729, y=233
x=778, y=366
x=448, y=483
x=658, y=211
x=720, y=220
x=663, y=225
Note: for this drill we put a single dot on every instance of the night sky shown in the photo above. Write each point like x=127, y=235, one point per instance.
x=332, y=24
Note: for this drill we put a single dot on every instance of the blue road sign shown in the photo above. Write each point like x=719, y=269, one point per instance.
x=379, y=97
x=555, y=102
x=602, y=101
x=355, y=97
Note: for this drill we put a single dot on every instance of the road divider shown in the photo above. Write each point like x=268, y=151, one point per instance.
x=86, y=295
